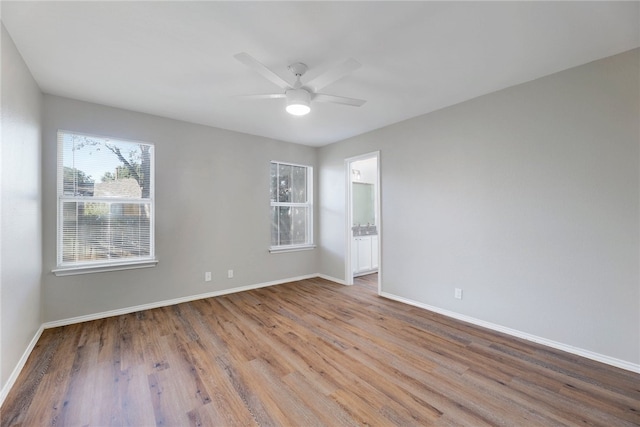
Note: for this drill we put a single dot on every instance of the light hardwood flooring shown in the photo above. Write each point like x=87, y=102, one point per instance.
x=308, y=353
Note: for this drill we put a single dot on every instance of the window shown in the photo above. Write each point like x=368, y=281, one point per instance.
x=105, y=204
x=291, y=207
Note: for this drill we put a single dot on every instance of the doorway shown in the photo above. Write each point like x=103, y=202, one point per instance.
x=363, y=225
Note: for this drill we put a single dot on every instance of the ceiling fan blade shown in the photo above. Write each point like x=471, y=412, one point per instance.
x=263, y=96
x=253, y=63
x=322, y=97
x=334, y=74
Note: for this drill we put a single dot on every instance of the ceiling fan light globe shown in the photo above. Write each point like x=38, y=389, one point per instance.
x=298, y=102
x=298, y=109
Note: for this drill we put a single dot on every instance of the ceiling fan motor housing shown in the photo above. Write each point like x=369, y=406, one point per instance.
x=298, y=101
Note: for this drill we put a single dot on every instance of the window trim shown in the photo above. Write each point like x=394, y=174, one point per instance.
x=103, y=267
x=86, y=267
x=309, y=244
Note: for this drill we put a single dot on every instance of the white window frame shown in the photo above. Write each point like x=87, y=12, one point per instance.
x=309, y=205
x=84, y=267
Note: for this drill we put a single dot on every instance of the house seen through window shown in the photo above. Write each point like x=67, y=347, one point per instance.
x=105, y=201
x=291, y=206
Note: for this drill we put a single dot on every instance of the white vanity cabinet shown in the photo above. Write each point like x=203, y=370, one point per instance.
x=364, y=255
x=374, y=252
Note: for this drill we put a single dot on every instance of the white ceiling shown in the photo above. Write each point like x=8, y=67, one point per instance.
x=175, y=59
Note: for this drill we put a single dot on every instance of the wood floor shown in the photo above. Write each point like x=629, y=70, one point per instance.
x=304, y=354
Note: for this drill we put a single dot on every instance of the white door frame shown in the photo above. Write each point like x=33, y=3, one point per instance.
x=349, y=215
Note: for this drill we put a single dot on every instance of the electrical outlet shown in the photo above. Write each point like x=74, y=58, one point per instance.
x=230, y=274
x=458, y=293
x=207, y=276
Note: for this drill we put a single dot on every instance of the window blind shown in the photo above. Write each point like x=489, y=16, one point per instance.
x=291, y=205
x=105, y=200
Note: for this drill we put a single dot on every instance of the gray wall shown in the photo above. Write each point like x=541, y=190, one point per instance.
x=20, y=209
x=212, y=211
x=527, y=199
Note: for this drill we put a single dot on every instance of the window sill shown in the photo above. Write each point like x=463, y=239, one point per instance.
x=101, y=268
x=284, y=249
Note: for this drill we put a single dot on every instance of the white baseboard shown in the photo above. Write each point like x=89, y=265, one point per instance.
x=332, y=279
x=623, y=364
x=16, y=371
x=165, y=303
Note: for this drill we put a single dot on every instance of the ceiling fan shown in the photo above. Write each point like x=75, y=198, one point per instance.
x=298, y=94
